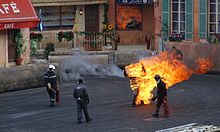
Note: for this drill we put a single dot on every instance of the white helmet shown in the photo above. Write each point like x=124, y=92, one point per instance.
x=52, y=67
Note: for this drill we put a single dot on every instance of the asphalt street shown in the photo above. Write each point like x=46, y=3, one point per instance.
x=194, y=101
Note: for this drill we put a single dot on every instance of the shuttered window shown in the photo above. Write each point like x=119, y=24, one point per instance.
x=165, y=16
x=189, y=19
x=203, y=18
x=57, y=17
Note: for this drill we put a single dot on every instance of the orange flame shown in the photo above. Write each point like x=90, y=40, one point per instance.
x=204, y=65
x=125, y=14
x=172, y=71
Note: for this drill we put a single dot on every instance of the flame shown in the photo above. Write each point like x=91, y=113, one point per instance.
x=203, y=65
x=172, y=71
x=125, y=14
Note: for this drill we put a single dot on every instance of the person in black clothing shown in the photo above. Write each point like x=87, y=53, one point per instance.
x=50, y=79
x=82, y=100
x=161, y=97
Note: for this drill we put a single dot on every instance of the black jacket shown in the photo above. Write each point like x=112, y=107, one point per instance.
x=161, y=90
x=80, y=92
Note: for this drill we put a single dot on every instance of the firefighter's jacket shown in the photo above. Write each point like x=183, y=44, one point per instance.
x=161, y=90
x=50, y=77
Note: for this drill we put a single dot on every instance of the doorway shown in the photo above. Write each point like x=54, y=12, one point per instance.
x=11, y=44
x=91, y=18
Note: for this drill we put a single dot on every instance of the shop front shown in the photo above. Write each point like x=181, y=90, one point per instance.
x=16, y=17
x=62, y=15
x=133, y=20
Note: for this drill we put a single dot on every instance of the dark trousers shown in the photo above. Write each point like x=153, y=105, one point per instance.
x=134, y=99
x=165, y=105
x=52, y=96
x=82, y=106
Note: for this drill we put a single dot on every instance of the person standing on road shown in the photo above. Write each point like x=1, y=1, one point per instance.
x=82, y=100
x=50, y=79
x=161, y=97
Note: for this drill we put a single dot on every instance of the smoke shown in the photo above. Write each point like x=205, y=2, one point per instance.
x=72, y=68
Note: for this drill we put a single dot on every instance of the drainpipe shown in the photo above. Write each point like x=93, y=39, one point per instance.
x=195, y=21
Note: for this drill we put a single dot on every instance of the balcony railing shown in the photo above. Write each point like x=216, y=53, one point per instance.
x=90, y=41
x=87, y=41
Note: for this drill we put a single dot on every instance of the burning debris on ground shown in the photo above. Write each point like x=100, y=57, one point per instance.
x=171, y=70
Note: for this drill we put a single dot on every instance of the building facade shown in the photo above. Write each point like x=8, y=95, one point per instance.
x=194, y=19
x=62, y=15
x=16, y=17
x=134, y=20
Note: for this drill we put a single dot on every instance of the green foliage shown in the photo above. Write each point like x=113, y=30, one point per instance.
x=214, y=39
x=33, y=43
x=20, y=47
x=48, y=49
x=35, y=39
x=67, y=35
x=36, y=36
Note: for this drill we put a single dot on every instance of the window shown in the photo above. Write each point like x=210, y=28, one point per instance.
x=129, y=17
x=214, y=16
x=178, y=16
x=57, y=17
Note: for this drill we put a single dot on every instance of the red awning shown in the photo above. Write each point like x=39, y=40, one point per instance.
x=15, y=14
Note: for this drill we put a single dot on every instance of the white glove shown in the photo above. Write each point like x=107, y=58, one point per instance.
x=49, y=85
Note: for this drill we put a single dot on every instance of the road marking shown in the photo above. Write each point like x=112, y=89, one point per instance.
x=153, y=119
x=177, y=128
x=122, y=128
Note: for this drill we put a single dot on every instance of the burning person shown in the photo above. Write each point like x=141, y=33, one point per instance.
x=135, y=90
x=161, y=97
x=134, y=84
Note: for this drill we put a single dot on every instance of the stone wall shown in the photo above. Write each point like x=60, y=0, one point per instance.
x=22, y=77
x=120, y=58
x=193, y=51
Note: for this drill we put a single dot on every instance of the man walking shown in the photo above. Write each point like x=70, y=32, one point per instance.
x=82, y=99
x=50, y=79
x=161, y=97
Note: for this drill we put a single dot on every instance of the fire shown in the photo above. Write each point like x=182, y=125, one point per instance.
x=204, y=64
x=128, y=14
x=172, y=71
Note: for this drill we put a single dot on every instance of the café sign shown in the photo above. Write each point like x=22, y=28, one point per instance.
x=11, y=8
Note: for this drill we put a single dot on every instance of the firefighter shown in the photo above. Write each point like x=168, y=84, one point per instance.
x=52, y=85
x=161, y=97
x=82, y=100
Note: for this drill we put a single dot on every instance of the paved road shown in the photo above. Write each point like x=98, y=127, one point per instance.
x=196, y=100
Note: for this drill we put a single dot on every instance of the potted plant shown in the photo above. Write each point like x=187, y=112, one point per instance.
x=20, y=48
x=68, y=35
x=48, y=49
x=35, y=39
